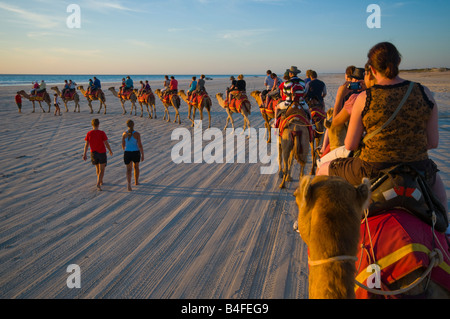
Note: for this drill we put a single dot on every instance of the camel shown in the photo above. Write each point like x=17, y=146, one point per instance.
x=132, y=98
x=75, y=98
x=147, y=100
x=206, y=104
x=336, y=134
x=295, y=143
x=245, y=111
x=318, y=117
x=100, y=97
x=330, y=211
x=329, y=222
x=174, y=101
x=267, y=113
x=31, y=98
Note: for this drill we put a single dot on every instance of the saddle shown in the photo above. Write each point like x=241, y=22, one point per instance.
x=69, y=94
x=291, y=115
x=402, y=186
x=236, y=102
x=126, y=93
x=144, y=97
x=39, y=96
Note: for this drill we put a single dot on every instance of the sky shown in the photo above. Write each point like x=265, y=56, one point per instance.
x=215, y=36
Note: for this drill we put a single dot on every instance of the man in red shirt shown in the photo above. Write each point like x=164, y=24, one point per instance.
x=98, y=142
x=19, y=102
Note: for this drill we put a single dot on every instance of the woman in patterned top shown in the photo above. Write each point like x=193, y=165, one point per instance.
x=406, y=140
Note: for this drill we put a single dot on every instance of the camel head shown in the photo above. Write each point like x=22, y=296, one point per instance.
x=330, y=204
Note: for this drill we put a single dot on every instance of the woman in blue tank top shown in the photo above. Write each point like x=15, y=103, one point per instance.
x=133, y=152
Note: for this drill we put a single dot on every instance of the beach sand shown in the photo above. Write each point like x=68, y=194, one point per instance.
x=188, y=230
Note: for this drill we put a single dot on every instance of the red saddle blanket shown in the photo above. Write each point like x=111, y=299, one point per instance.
x=317, y=114
x=144, y=97
x=197, y=99
x=39, y=96
x=126, y=94
x=168, y=98
x=69, y=94
x=284, y=122
x=235, y=105
x=94, y=94
x=271, y=106
x=401, y=244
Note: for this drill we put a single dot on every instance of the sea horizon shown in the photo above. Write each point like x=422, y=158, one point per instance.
x=28, y=79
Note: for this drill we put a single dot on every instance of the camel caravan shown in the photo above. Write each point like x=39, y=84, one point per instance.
x=377, y=236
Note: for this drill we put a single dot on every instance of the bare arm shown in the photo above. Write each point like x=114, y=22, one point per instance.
x=432, y=125
x=86, y=146
x=355, y=127
x=137, y=136
x=123, y=140
x=108, y=147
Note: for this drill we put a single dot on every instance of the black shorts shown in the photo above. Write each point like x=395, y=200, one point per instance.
x=129, y=157
x=98, y=158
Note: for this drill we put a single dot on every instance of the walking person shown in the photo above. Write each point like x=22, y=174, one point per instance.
x=98, y=142
x=56, y=103
x=18, y=100
x=133, y=153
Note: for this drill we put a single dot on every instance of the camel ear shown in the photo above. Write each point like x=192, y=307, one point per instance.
x=327, y=124
x=363, y=192
x=304, y=189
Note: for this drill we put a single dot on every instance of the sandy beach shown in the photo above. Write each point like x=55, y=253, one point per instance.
x=189, y=230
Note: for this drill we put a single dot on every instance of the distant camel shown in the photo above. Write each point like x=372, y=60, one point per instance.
x=123, y=98
x=267, y=113
x=206, y=103
x=330, y=211
x=245, y=110
x=100, y=96
x=174, y=101
x=148, y=99
x=74, y=97
x=295, y=143
x=45, y=98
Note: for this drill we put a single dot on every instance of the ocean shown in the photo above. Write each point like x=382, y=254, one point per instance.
x=28, y=79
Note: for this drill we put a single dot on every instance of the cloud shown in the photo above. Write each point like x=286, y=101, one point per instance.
x=105, y=5
x=244, y=34
x=28, y=17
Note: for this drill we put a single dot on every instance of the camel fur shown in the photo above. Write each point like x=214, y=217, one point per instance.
x=149, y=101
x=75, y=98
x=90, y=98
x=292, y=146
x=132, y=99
x=174, y=101
x=33, y=99
x=245, y=111
x=266, y=116
x=336, y=134
x=330, y=211
x=206, y=104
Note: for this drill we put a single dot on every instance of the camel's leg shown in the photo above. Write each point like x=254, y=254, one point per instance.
x=100, y=107
x=280, y=159
x=33, y=107
x=65, y=105
x=154, y=109
x=193, y=117
x=90, y=106
x=209, y=118
x=49, y=105
x=123, y=108
x=41, y=107
x=189, y=111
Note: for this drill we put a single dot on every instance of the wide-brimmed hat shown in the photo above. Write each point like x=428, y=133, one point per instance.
x=294, y=70
x=358, y=74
